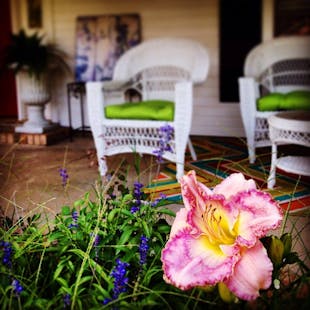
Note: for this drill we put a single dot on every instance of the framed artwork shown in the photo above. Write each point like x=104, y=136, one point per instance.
x=34, y=13
x=291, y=17
x=100, y=41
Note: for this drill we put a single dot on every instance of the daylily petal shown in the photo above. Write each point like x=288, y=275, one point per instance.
x=195, y=196
x=179, y=222
x=251, y=273
x=190, y=261
x=258, y=214
x=234, y=184
x=194, y=193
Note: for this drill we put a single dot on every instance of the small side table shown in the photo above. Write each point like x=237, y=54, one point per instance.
x=289, y=128
x=76, y=89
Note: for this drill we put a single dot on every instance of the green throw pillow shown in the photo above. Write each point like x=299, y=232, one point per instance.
x=270, y=102
x=145, y=110
x=296, y=100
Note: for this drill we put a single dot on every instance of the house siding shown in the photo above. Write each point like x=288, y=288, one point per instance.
x=195, y=19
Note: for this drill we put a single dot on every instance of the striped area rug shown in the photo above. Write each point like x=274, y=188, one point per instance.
x=220, y=157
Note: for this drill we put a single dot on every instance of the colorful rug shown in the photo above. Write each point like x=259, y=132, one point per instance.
x=220, y=157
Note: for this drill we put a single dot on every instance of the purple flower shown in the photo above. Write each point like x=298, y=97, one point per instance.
x=75, y=217
x=64, y=176
x=97, y=240
x=134, y=209
x=120, y=280
x=143, y=249
x=106, y=301
x=166, y=133
x=156, y=201
x=137, y=193
x=7, y=253
x=17, y=288
x=67, y=300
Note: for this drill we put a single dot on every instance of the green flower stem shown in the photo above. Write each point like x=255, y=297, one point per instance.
x=135, y=289
x=39, y=267
x=19, y=304
x=288, y=209
x=101, y=211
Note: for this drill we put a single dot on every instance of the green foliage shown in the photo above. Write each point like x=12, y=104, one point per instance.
x=51, y=260
x=74, y=255
x=28, y=53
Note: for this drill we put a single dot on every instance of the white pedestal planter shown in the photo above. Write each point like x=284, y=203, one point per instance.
x=36, y=122
x=35, y=93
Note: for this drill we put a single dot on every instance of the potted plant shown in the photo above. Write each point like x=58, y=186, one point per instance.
x=35, y=61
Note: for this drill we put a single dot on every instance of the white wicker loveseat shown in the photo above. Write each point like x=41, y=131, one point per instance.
x=281, y=65
x=159, y=69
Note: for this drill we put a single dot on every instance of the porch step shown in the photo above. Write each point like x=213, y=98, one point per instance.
x=9, y=136
x=7, y=131
x=46, y=138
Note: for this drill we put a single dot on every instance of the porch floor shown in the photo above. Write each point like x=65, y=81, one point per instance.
x=30, y=179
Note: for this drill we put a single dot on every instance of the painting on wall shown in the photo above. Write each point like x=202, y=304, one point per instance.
x=34, y=11
x=100, y=41
x=291, y=17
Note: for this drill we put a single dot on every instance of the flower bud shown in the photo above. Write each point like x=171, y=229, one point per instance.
x=207, y=288
x=287, y=242
x=276, y=284
x=226, y=295
x=276, y=250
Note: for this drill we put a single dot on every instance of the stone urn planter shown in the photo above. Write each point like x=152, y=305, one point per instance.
x=35, y=94
x=35, y=63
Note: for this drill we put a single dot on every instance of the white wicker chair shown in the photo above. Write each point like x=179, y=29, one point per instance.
x=163, y=68
x=279, y=65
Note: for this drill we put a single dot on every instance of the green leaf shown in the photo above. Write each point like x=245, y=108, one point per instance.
x=146, y=229
x=62, y=282
x=71, y=266
x=127, y=197
x=85, y=279
x=58, y=270
x=66, y=210
x=127, y=213
x=100, y=271
x=158, y=236
x=166, y=211
x=149, y=274
x=164, y=229
x=125, y=236
x=78, y=252
x=112, y=213
x=79, y=235
x=79, y=203
x=54, y=236
x=124, y=239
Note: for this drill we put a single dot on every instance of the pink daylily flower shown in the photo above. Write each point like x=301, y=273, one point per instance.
x=215, y=238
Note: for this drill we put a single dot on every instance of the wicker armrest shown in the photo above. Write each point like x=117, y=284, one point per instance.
x=115, y=85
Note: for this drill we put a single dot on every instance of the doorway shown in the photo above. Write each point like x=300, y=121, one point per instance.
x=8, y=99
x=240, y=31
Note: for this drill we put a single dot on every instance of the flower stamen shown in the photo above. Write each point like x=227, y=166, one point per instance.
x=215, y=226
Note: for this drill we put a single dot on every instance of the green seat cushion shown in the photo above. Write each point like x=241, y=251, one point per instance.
x=270, y=102
x=296, y=100
x=145, y=110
